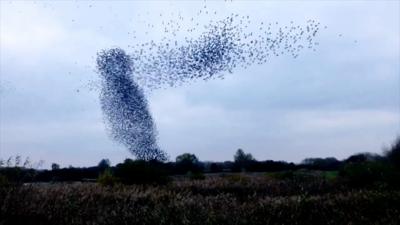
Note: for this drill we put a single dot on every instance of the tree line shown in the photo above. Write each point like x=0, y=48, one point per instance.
x=362, y=166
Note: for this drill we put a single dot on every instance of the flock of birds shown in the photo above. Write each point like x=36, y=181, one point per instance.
x=125, y=106
x=223, y=46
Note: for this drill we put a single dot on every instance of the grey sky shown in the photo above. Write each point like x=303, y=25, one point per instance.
x=336, y=101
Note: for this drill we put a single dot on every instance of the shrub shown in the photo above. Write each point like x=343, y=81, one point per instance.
x=393, y=154
x=284, y=175
x=367, y=173
x=107, y=179
x=141, y=172
x=195, y=175
x=18, y=174
x=329, y=163
x=187, y=162
x=3, y=181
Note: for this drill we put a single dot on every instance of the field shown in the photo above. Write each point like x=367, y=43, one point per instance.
x=237, y=198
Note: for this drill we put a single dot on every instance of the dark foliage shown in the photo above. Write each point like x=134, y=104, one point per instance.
x=55, y=166
x=187, y=163
x=68, y=174
x=104, y=164
x=329, y=163
x=141, y=172
x=364, y=157
x=18, y=174
x=393, y=154
x=370, y=173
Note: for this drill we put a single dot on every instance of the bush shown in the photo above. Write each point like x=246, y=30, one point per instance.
x=107, y=179
x=3, y=181
x=195, y=175
x=141, y=172
x=18, y=174
x=329, y=163
x=284, y=175
x=367, y=173
x=393, y=154
x=187, y=162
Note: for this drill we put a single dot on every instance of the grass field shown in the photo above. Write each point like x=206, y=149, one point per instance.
x=275, y=198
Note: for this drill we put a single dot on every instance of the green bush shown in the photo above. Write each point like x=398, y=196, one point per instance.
x=3, y=181
x=284, y=175
x=107, y=179
x=368, y=173
x=393, y=154
x=195, y=175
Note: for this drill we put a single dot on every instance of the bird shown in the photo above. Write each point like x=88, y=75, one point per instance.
x=223, y=46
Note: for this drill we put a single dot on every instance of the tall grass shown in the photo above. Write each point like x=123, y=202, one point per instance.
x=233, y=199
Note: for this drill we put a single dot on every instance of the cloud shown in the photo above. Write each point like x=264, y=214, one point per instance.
x=214, y=132
x=27, y=31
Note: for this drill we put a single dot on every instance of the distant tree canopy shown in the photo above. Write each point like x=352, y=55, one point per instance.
x=393, y=154
x=104, y=164
x=187, y=162
x=141, y=171
x=55, y=166
x=187, y=158
x=241, y=157
x=364, y=157
x=243, y=161
x=359, y=169
x=329, y=163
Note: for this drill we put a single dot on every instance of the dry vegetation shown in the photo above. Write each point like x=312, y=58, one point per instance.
x=229, y=199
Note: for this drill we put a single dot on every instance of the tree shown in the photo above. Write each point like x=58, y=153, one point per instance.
x=242, y=160
x=55, y=166
x=140, y=172
x=104, y=164
x=329, y=163
x=241, y=157
x=187, y=158
x=187, y=162
x=393, y=154
x=363, y=157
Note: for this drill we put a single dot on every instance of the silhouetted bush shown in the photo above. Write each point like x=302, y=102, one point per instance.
x=367, y=173
x=55, y=166
x=283, y=175
x=187, y=163
x=195, y=175
x=18, y=174
x=329, y=163
x=68, y=174
x=104, y=164
x=140, y=172
x=393, y=154
x=3, y=181
x=364, y=157
x=216, y=168
x=269, y=166
x=243, y=161
x=107, y=179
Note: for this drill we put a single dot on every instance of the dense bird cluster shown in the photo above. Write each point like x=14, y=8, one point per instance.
x=125, y=106
x=223, y=46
